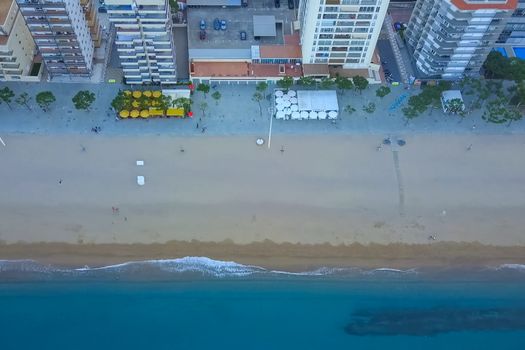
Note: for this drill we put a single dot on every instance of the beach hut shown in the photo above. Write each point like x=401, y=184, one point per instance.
x=157, y=94
x=144, y=113
x=124, y=113
x=137, y=94
x=175, y=112
x=147, y=93
x=134, y=113
x=154, y=112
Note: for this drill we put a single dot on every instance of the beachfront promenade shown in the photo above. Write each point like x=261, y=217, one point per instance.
x=235, y=113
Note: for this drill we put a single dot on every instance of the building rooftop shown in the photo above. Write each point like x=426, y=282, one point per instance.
x=280, y=51
x=237, y=19
x=264, y=26
x=213, y=2
x=242, y=70
x=487, y=4
x=5, y=6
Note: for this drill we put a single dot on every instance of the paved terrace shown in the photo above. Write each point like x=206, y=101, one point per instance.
x=235, y=113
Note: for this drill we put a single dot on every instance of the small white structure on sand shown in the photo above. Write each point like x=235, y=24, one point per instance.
x=452, y=95
x=140, y=180
x=140, y=162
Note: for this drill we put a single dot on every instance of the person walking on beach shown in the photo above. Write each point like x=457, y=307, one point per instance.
x=60, y=181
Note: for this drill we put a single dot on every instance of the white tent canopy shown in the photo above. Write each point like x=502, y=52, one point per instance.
x=317, y=100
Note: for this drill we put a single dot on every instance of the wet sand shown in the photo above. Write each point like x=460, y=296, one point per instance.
x=322, y=191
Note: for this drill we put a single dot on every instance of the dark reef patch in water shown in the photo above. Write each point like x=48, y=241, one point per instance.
x=431, y=322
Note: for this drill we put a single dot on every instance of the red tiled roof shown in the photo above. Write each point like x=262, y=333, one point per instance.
x=293, y=39
x=466, y=5
x=241, y=70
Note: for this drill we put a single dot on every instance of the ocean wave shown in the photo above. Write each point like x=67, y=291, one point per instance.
x=191, y=264
x=519, y=267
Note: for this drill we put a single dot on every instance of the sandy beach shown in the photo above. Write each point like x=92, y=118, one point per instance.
x=333, y=191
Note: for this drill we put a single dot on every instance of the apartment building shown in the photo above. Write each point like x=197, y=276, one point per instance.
x=144, y=40
x=90, y=12
x=342, y=35
x=18, y=53
x=61, y=34
x=452, y=38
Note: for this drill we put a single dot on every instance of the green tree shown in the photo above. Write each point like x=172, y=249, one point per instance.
x=519, y=94
x=183, y=102
x=285, y=83
x=382, y=91
x=498, y=112
x=349, y=109
x=44, y=99
x=174, y=6
x=262, y=87
x=203, y=106
x=216, y=96
x=306, y=81
x=6, y=94
x=343, y=83
x=23, y=100
x=454, y=106
x=370, y=107
x=204, y=88
x=326, y=83
x=258, y=97
x=360, y=83
x=83, y=99
x=121, y=102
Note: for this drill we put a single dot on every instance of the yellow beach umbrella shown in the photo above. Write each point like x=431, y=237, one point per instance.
x=134, y=113
x=147, y=93
x=137, y=94
x=124, y=113
x=135, y=104
x=144, y=113
x=127, y=92
x=157, y=94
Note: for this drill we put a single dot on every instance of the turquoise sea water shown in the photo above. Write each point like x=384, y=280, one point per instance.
x=274, y=311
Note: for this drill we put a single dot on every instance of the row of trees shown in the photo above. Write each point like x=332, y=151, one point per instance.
x=357, y=83
x=44, y=99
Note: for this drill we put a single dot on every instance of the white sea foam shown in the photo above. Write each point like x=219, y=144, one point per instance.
x=520, y=267
x=390, y=270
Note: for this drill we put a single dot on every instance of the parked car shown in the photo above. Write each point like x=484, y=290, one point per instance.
x=102, y=9
x=202, y=34
x=202, y=24
x=216, y=24
x=243, y=35
x=291, y=4
x=244, y=3
x=223, y=24
x=277, y=3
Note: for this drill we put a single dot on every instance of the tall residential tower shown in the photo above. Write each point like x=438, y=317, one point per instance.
x=144, y=40
x=18, y=54
x=452, y=38
x=61, y=33
x=341, y=33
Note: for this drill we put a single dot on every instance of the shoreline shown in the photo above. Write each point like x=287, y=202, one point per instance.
x=269, y=255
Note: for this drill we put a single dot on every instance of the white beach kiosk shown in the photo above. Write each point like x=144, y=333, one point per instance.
x=306, y=104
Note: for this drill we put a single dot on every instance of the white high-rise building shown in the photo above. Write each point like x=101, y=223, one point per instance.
x=341, y=33
x=62, y=35
x=452, y=38
x=144, y=40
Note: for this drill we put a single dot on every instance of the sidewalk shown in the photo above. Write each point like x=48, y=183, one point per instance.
x=235, y=113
